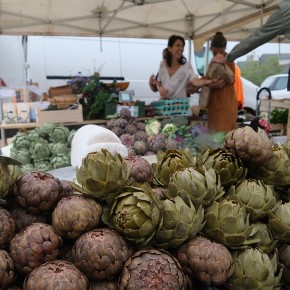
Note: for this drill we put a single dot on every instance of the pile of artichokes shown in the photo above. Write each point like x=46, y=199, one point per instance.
x=216, y=220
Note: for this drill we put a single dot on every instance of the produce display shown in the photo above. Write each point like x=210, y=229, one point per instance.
x=217, y=219
x=44, y=148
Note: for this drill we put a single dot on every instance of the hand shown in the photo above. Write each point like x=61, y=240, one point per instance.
x=163, y=92
x=152, y=80
x=217, y=84
x=219, y=58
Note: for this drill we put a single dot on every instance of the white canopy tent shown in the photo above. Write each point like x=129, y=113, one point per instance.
x=155, y=19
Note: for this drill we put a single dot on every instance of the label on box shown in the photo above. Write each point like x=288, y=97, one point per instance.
x=10, y=113
x=133, y=109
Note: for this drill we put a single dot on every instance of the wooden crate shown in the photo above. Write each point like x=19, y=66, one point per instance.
x=60, y=116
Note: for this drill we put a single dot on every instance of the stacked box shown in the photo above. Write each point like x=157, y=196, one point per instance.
x=172, y=107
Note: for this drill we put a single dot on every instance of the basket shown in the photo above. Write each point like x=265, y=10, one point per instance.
x=172, y=107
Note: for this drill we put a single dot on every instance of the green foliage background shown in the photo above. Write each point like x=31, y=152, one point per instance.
x=256, y=71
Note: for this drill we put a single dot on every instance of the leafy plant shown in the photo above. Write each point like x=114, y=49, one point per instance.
x=279, y=116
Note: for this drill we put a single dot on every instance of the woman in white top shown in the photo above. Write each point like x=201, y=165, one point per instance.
x=175, y=72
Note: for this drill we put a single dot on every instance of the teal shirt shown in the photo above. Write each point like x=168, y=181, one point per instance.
x=278, y=23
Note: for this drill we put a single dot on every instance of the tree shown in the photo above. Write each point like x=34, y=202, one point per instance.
x=257, y=71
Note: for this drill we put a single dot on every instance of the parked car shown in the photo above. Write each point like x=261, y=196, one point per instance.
x=277, y=85
x=250, y=94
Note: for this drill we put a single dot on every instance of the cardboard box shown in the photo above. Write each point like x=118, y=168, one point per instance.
x=60, y=116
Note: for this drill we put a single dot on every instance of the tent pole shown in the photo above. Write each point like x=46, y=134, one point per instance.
x=206, y=54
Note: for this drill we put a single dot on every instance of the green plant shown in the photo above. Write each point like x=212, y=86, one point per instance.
x=279, y=116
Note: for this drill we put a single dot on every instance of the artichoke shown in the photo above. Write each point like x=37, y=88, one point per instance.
x=101, y=174
x=169, y=162
x=21, y=141
x=253, y=148
x=101, y=254
x=140, y=169
x=136, y=213
x=207, y=261
x=279, y=222
x=104, y=285
x=23, y=218
x=276, y=171
x=152, y=269
x=6, y=269
x=9, y=172
x=59, y=134
x=284, y=257
x=253, y=270
x=74, y=215
x=42, y=165
x=157, y=142
x=229, y=167
x=24, y=169
x=59, y=148
x=60, y=160
x=7, y=228
x=267, y=243
x=40, y=151
x=181, y=222
x=45, y=129
x=228, y=223
x=36, y=244
x=56, y=275
x=201, y=185
x=70, y=137
x=22, y=155
x=37, y=192
x=257, y=197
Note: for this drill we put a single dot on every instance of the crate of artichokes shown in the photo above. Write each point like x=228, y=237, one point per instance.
x=216, y=220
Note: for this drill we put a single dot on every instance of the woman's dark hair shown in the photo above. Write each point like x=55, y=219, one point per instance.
x=171, y=40
x=218, y=40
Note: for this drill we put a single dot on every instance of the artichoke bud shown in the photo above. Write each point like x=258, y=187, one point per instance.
x=101, y=174
x=181, y=222
x=136, y=213
x=253, y=270
x=200, y=184
x=228, y=222
x=256, y=196
x=229, y=167
x=279, y=222
x=169, y=162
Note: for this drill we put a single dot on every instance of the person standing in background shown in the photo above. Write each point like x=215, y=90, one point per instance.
x=222, y=106
x=175, y=73
x=278, y=23
x=239, y=89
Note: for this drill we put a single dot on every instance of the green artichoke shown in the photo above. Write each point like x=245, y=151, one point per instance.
x=9, y=172
x=22, y=155
x=284, y=254
x=267, y=243
x=60, y=160
x=56, y=274
x=257, y=197
x=59, y=148
x=101, y=174
x=152, y=269
x=42, y=165
x=70, y=137
x=181, y=222
x=229, y=167
x=40, y=151
x=279, y=222
x=205, y=260
x=136, y=213
x=21, y=141
x=169, y=162
x=276, y=171
x=228, y=222
x=45, y=129
x=59, y=134
x=201, y=185
x=254, y=270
